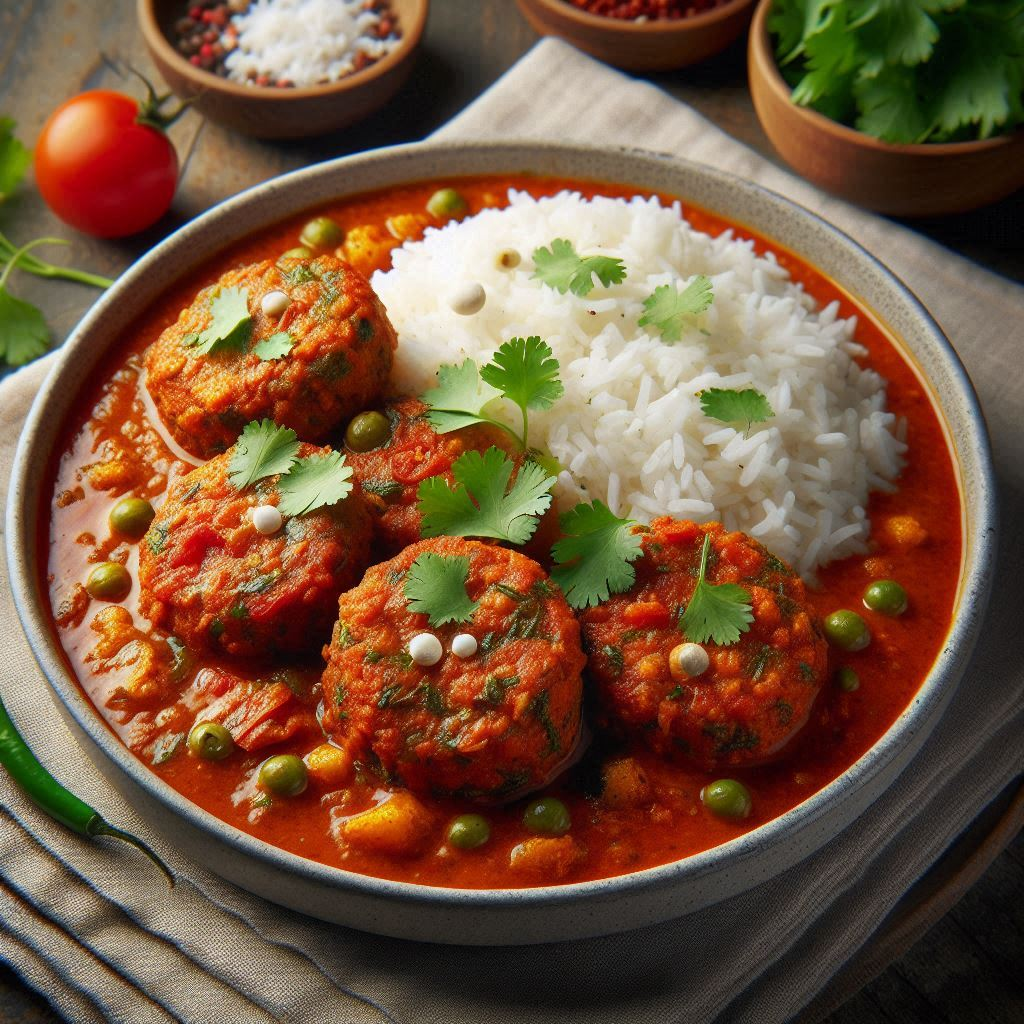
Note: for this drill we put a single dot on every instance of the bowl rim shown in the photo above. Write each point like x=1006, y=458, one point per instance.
x=761, y=60
x=585, y=19
x=207, y=82
x=876, y=766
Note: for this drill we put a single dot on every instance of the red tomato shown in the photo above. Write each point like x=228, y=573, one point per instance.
x=101, y=170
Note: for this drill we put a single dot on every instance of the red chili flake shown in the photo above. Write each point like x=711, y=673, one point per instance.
x=650, y=10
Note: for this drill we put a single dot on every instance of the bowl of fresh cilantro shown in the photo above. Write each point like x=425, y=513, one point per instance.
x=911, y=109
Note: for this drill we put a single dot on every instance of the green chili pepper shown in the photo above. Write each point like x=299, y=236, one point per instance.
x=53, y=799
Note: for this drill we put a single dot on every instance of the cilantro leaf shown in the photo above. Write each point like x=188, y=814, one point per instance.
x=23, y=331
x=906, y=71
x=264, y=449
x=595, y=554
x=562, y=269
x=459, y=397
x=314, y=482
x=730, y=406
x=277, y=346
x=890, y=107
x=231, y=324
x=976, y=77
x=482, y=504
x=14, y=159
x=667, y=308
x=436, y=586
x=525, y=371
x=717, y=612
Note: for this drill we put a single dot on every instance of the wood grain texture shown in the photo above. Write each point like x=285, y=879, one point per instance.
x=967, y=967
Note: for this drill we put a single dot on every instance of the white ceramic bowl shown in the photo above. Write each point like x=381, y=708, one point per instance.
x=502, y=917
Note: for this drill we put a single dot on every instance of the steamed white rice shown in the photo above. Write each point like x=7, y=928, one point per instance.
x=630, y=430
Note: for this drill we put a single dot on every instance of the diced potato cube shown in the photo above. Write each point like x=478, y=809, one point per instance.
x=547, y=857
x=625, y=784
x=366, y=247
x=904, y=531
x=329, y=765
x=400, y=825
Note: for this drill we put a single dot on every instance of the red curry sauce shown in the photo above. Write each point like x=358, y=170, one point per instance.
x=111, y=448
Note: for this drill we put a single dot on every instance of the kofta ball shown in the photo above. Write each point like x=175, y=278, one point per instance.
x=210, y=576
x=752, y=697
x=393, y=449
x=317, y=347
x=487, y=723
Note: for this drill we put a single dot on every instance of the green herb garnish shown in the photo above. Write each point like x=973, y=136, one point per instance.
x=593, y=558
x=482, y=504
x=277, y=346
x=562, y=269
x=230, y=327
x=314, y=482
x=263, y=450
x=717, y=612
x=14, y=159
x=668, y=309
x=23, y=331
x=523, y=370
x=730, y=406
x=902, y=71
x=436, y=587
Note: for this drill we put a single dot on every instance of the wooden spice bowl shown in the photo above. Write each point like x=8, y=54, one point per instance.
x=281, y=113
x=920, y=180
x=641, y=46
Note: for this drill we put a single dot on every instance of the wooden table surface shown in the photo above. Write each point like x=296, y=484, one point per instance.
x=967, y=968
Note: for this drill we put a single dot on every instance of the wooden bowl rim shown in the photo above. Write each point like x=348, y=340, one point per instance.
x=207, y=81
x=584, y=19
x=762, y=62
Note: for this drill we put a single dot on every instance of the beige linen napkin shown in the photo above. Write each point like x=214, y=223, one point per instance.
x=97, y=933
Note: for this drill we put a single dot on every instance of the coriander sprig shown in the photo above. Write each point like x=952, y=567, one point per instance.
x=230, y=326
x=263, y=449
x=523, y=370
x=436, y=586
x=562, y=269
x=717, y=612
x=731, y=406
x=668, y=309
x=230, y=329
x=482, y=504
x=595, y=555
x=305, y=484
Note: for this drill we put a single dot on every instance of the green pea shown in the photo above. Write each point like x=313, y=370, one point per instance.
x=210, y=741
x=109, y=581
x=468, y=831
x=283, y=774
x=547, y=816
x=847, y=630
x=367, y=430
x=321, y=233
x=445, y=202
x=727, y=798
x=847, y=680
x=887, y=597
x=300, y=252
x=131, y=517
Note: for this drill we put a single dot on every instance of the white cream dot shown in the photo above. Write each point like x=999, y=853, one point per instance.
x=425, y=649
x=275, y=303
x=464, y=645
x=267, y=519
x=689, y=660
x=468, y=298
